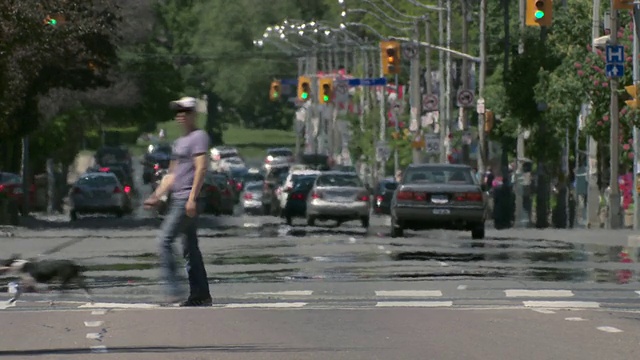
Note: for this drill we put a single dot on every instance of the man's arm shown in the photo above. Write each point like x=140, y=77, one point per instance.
x=200, y=158
x=166, y=182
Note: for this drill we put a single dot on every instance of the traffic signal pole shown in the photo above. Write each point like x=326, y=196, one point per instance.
x=593, y=192
x=636, y=136
x=614, y=193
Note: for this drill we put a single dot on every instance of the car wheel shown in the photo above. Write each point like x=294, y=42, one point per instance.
x=73, y=215
x=396, y=231
x=266, y=209
x=364, y=221
x=311, y=221
x=119, y=213
x=289, y=219
x=478, y=233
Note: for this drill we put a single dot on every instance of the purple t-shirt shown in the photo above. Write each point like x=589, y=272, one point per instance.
x=184, y=149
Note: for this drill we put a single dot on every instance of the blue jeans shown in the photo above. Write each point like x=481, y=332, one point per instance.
x=175, y=223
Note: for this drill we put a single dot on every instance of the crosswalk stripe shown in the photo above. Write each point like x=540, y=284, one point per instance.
x=561, y=304
x=538, y=293
x=266, y=305
x=284, y=293
x=414, y=304
x=409, y=293
x=119, y=306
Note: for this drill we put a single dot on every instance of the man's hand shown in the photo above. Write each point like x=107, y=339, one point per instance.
x=151, y=202
x=191, y=208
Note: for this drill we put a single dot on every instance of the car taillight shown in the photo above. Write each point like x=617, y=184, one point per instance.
x=216, y=157
x=297, y=197
x=238, y=186
x=156, y=167
x=2, y=188
x=104, y=169
x=117, y=190
x=379, y=199
x=470, y=196
x=226, y=191
x=410, y=195
x=127, y=189
x=316, y=195
x=363, y=198
x=269, y=159
x=248, y=196
x=76, y=190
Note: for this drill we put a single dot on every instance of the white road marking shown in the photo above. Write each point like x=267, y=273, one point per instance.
x=575, y=319
x=561, y=304
x=609, y=329
x=93, y=323
x=284, y=293
x=6, y=305
x=120, y=306
x=414, y=303
x=442, y=263
x=388, y=252
x=380, y=247
x=544, y=311
x=538, y=293
x=99, y=349
x=251, y=225
x=462, y=287
x=94, y=336
x=638, y=292
x=267, y=305
x=409, y=293
x=98, y=312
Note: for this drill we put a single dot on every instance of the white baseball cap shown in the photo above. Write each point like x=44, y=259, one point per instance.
x=185, y=104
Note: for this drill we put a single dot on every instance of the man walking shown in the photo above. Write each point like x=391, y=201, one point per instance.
x=185, y=178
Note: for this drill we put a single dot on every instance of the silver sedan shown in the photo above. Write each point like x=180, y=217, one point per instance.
x=339, y=196
x=438, y=196
x=99, y=193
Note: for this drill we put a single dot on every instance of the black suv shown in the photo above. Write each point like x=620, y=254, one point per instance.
x=273, y=178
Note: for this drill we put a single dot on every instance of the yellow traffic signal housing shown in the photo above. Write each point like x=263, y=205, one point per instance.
x=274, y=92
x=325, y=85
x=489, y=119
x=304, y=88
x=623, y=4
x=390, y=57
x=632, y=90
x=539, y=12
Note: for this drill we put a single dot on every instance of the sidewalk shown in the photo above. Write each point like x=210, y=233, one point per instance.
x=579, y=236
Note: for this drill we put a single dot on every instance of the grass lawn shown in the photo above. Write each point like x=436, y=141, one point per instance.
x=252, y=143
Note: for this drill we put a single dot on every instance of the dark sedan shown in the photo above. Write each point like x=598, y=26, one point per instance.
x=383, y=193
x=296, y=205
x=158, y=158
x=218, y=193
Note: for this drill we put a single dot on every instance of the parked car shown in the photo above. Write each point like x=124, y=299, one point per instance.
x=339, y=196
x=220, y=153
x=99, y=192
x=296, y=204
x=120, y=173
x=382, y=194
x=287, y=186
x=438, y=196
x=218, y=193
x=108, y=155
x=11, y=185
x=251, y=198
x=236, y=178
x=273, y=178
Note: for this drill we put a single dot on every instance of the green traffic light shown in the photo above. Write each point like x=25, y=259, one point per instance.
x=325, y=98
x=305, y=95
x=539, y=14
x=275, y=94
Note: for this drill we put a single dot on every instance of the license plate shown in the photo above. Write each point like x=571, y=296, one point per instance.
x=342, y=199
x=439, y=199
x=100, y=194
x=441, y=211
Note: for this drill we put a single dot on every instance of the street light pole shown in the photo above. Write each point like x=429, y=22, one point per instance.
x=441, y=103
x=614, y=193
x=636, y=137
x=415, y=92
x=481, y=80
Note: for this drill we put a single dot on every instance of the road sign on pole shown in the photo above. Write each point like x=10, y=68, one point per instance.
x=465, y=98
x=430, y=102
x=614, y=55
x=341, y=91
x=410, y=50
x=432, y=143
x=480, y=106
x=383, y=151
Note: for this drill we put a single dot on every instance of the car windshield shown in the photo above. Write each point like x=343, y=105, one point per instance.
x=9, y=178
x=237, y=173
x=163, y=149
x=250, y=177
x=302, y=183
x=228, y=154
x=97, y=181
x=254, y=186
x=339, y=180
x=438, y=175
x=280, y=153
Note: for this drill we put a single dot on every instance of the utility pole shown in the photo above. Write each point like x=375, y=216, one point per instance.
x=636, y=137
x=464, y=73
x=449, y=84
x=314, y=109
x=482, y=151
x=383, y=125
x=520, y=139
x=614, y=193
x=442, y=117
x=427, y=65
x=593, y=193
x=415, y=91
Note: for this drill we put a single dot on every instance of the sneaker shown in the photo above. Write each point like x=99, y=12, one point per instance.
x=197, y=302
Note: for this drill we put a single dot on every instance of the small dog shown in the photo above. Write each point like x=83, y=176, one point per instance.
x=44, y=272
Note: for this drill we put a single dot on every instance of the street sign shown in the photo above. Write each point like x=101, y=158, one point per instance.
x=383, y=152
x=432, y=143
x=430, y=102
x=368, y=82
x=465, y=98
x=410, y=50
x=615, y=54
x=614, y=70
x=341, y=89
x=480, y=106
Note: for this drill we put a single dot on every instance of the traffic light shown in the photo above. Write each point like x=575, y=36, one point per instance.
x=632, y=90
x=53, y=20
x=304, y=88
x=274, y=92
x=326, y=90
x=539, y=12
x=489, y=118
x=390, y=57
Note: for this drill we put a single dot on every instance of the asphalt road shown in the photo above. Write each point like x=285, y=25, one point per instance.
x=329, y=292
